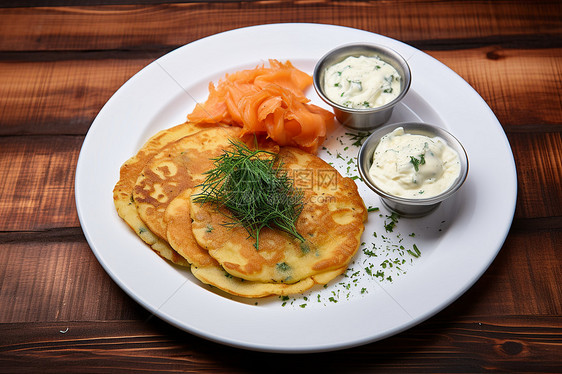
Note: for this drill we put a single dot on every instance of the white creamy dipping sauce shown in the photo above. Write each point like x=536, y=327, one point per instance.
x=362, y=82
x=414, y=166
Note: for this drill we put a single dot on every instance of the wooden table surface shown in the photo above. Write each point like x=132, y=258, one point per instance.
x=61, y=312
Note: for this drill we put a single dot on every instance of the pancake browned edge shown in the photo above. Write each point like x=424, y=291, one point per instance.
x=129, y=173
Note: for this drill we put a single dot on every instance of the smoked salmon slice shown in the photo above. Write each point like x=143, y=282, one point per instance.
x=267, y=100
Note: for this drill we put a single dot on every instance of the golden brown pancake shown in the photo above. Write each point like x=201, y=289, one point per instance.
x=153, y=195
x=216, y=276
x=179, y=234
x=123, y=190
x=177, y=166
x=332, y=222
x=208, y=270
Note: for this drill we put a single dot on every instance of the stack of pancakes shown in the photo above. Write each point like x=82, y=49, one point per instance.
x=153, y=195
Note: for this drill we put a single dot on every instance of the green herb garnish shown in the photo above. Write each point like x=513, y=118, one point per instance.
x=357, y=138
x=254, y=189
x=369, y=252
x=389, y=227
x=416, y=253
x=417, y=161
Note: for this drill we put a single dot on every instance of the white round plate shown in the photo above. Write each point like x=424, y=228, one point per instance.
x=386, y=290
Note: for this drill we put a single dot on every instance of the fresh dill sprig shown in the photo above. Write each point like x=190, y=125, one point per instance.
x=254, y=189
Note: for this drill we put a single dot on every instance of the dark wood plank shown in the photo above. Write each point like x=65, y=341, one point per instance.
x=58, y=3
x=518, y=85
x=59, y=281
x=128, y=27
x=494, y=343
x=37, y=175
x=63, y=97
x=538, y=158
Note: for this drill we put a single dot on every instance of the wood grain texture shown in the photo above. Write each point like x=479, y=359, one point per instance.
x=38, y=182
x=59, y=97
x=140, y=27
x=514, y=344
x=519, y=85
x=538, y=158
x=58, y=281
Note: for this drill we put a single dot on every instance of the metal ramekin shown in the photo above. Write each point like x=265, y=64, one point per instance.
x=409, y=207
x=369, y=118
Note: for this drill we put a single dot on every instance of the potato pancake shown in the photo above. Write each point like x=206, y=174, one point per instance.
x=129, y=172
x=208, y=270
x=331, y=222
